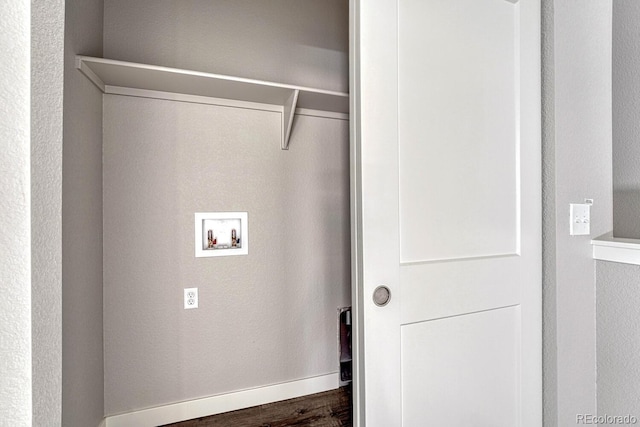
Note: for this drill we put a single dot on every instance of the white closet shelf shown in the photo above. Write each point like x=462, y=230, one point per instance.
x=616, y=249
x=129, y=78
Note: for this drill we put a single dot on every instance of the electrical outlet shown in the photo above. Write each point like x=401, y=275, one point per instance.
x=190, y=298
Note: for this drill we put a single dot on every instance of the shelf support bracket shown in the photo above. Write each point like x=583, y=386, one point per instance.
x=87, y=71
x=288, y=112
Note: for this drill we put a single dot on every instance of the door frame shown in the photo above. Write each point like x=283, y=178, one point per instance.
x=355, y=188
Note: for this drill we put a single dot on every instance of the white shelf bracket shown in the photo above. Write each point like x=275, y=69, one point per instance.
x=84, y=68
x=288, y=112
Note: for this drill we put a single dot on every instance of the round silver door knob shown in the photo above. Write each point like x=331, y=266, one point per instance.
x=381, y=296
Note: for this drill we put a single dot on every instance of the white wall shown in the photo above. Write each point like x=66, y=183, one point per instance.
x=626, y=126
x=577, y=165
x=47, y=81
x=15, y=237
x=82, y=350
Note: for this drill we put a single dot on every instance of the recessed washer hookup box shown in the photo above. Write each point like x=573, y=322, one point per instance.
x=221, y=234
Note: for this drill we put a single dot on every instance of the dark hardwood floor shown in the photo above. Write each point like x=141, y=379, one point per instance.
x=329, y=409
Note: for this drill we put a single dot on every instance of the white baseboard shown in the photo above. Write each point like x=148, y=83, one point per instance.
x=182, y=411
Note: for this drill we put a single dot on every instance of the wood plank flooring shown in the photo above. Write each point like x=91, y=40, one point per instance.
x=329, y=409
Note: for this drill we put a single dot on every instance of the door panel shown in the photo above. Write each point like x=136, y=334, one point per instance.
x=447, y=211
x=442, y=386
x=458, y=128
x=434, y=290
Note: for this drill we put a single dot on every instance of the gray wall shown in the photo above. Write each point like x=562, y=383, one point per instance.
x=618, y=294
x=626, y=126
x=264, y=318
x=82, y=351
x=15, y=238
x=618, y=339
x=577, y=165
x=549, y=330
x=47, y=81
x=302, y=42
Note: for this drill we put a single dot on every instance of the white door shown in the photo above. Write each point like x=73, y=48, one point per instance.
x=447, y=212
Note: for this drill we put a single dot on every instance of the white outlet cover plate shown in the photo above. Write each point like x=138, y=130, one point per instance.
x=580, y=219
x=190, y=298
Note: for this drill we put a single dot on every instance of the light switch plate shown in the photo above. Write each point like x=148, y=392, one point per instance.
x=580, y=219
